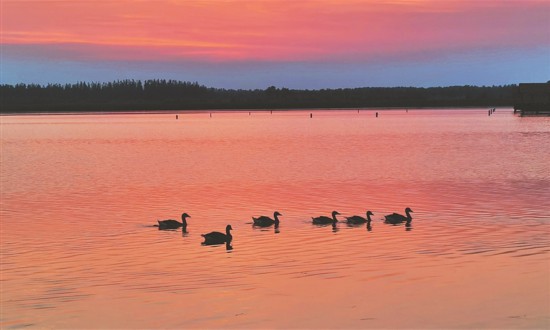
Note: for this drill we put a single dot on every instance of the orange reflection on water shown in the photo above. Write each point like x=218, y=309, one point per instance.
x=80, y=196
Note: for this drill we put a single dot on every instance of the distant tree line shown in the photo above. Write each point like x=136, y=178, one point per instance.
x=128, y=95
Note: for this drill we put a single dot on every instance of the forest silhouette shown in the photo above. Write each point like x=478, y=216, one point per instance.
x=151, y=95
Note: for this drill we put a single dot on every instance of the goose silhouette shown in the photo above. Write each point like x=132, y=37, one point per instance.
x=174, y=224
x=216, y=237
x=396, y=218
x=264, y=221
x=324, y=220
x=356, y=220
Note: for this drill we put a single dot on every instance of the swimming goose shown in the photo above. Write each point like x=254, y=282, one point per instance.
x=173, y=224
x=396, y=218
x=355, y=220
x=323, y=220
x=263, y=221
x=216, y=237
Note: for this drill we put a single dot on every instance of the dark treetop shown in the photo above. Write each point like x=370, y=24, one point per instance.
x=135, y=95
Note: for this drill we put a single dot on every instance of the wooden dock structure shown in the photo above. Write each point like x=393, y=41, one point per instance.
x=533, y=99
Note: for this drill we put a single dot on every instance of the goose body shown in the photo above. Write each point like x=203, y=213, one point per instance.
x=169, y=224
x=174, y=224
x=355, y=220
x=324, y=220
x=396, y=218
x=216, y=237
x=264, y=221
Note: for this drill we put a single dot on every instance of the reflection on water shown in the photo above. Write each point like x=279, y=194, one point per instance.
x=80, y=196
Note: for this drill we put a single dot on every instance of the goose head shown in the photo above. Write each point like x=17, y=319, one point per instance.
x=185, y=215
x=275, y=215
x=369, y=213
x=334, y=220
x=408, y=211
x=228, y=228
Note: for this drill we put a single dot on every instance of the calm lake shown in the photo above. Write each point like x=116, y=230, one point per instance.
x=80, y=195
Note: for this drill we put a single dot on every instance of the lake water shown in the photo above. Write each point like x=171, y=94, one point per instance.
x=80, y=195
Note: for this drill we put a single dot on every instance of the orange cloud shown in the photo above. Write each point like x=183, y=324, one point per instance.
x=275, y=30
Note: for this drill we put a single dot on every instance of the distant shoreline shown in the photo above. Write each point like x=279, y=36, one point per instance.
x=172, y=95
x=206, y=111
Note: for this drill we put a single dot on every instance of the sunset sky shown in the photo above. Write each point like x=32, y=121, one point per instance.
x=295, y=44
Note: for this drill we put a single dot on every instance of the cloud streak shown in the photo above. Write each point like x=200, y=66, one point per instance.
x=258, y=43
x=272, y=30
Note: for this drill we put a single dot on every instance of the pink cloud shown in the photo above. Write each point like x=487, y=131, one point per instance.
x=272, y=30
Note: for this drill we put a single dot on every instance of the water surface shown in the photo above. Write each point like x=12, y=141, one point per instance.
x=80, y=195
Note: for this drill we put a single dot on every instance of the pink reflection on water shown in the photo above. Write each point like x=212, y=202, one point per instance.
x=80, y=195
